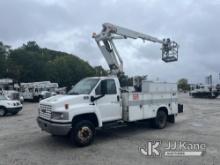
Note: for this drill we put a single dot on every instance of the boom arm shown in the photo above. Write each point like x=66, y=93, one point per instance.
x=109, y=51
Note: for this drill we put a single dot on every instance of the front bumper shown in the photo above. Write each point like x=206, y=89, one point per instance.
x=54, y=128
x=14, y=110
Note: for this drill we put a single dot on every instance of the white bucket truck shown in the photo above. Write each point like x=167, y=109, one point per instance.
x=96, y=102
x=36, y=91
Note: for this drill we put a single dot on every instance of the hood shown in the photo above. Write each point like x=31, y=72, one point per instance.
x=66, y=99
x=10, y=102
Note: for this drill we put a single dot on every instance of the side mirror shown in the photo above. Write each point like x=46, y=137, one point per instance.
x=92, y=98
x=103, y=87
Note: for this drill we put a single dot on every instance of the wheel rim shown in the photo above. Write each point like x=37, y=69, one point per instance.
x=2, y=112
x=84, y=134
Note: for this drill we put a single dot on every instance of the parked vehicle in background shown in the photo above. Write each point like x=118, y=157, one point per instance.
x=37, y=91
x=204, y=91
x=9, y=106
x=61, y=90
x=13, y=95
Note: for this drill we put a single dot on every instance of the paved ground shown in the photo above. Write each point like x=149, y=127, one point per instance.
x=23, y=143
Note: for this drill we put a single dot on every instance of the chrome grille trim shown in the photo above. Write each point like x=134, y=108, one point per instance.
x=45, y=111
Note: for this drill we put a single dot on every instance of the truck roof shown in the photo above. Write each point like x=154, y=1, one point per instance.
x=103, y=77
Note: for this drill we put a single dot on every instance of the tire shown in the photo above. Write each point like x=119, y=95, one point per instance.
x=3, y=111
x=82, y=133
x=37, y=99
x=53, y=135
x=160, y=121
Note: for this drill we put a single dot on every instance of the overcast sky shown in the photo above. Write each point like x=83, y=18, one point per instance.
x=67, y=25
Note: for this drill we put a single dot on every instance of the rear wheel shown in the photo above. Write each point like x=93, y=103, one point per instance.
x=3, y=111
x=37, y=99
x=82, y=133
x=160, y=121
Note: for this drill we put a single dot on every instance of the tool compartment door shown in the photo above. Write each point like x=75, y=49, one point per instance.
x=135, y=108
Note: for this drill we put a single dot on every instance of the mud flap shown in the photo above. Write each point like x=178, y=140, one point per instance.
x=180, y=108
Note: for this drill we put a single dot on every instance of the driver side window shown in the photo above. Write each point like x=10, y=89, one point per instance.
x=111, y=88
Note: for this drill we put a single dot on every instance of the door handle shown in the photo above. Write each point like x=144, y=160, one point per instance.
x=118, y=99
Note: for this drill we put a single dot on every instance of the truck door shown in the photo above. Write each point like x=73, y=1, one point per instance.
x=109, y=105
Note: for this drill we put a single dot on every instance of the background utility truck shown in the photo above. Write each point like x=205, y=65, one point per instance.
x=208, y=90
x=36, y=91
x=97, y=102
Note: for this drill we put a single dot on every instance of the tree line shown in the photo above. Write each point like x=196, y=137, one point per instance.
x=30, y=63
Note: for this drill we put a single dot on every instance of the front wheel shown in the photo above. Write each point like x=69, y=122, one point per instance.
x=82, y=133
x=2, y=111
x=160, y=121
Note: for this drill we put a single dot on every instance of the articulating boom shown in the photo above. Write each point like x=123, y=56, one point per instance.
x=109, y=51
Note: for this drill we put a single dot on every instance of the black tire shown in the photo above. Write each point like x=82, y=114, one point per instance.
x=82, y=133
x=37, y=99
x=54, y=136
x=3, y=111
x=160, y=121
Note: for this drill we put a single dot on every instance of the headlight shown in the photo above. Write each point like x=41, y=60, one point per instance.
x=59, y=115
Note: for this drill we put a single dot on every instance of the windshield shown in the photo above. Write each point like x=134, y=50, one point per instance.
x=3, y=97
x=85, y=86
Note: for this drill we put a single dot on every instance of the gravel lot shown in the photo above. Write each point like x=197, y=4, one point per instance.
x=23, y=143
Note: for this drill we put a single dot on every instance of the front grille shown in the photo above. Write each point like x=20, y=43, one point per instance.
x=45, y=111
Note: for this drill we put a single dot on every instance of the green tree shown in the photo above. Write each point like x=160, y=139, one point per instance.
x=26, y=66
x=99, y=71
x=31, y=45
x=4, y=52
x=31, y=63
x=183, y=84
